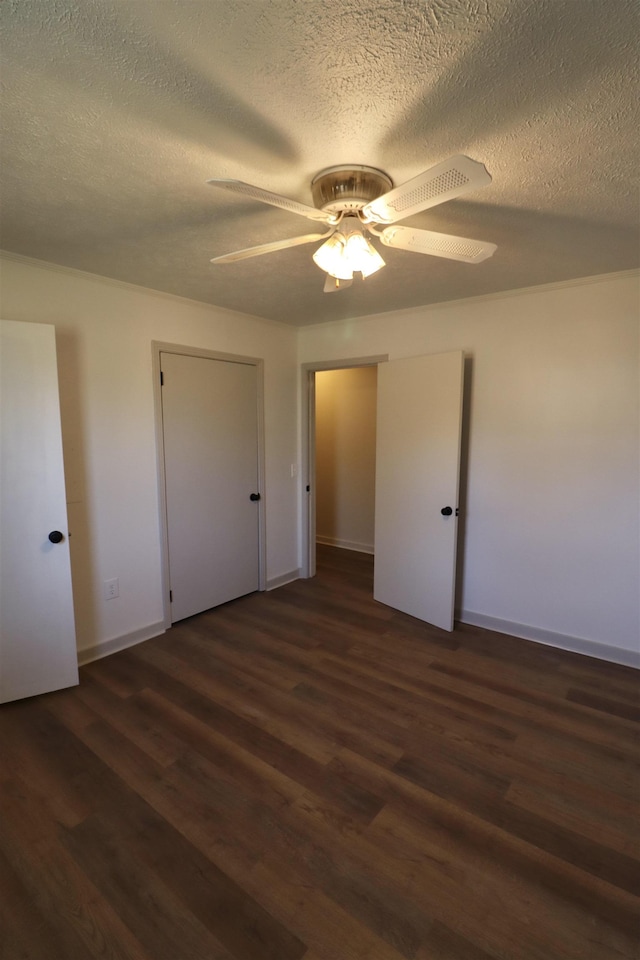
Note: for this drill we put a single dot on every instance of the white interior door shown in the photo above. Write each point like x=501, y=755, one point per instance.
x=37, y=628
x=210, y=430
x=417, y=469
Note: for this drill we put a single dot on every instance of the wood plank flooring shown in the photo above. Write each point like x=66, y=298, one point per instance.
x=309, y=774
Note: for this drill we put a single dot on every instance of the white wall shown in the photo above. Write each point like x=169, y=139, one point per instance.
x=551, y=548
x=104, y=332
x=552, y=526
x=346, y=457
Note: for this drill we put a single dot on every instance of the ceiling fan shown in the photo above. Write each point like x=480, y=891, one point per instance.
x=357, y=202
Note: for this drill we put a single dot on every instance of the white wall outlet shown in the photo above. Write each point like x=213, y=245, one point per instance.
x=111, y=589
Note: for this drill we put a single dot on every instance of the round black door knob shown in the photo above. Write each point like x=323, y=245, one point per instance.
x=55, y=536
x=254, y=496
x=446, y=511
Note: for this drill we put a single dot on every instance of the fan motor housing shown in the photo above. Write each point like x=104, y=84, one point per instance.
x=348, y=187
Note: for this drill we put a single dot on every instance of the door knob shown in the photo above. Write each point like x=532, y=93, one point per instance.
x=446, y=511
x=254, y=496
x=55, y=536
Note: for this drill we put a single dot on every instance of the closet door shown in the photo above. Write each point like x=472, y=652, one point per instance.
x=419, y=422
x=37, y=628
x=210, y=431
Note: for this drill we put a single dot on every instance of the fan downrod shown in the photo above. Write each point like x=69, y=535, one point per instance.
x=348, y=187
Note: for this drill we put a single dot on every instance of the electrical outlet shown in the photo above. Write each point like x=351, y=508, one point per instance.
x=111, y=589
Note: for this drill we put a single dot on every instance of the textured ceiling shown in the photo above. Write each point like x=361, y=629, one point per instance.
x=116, y=112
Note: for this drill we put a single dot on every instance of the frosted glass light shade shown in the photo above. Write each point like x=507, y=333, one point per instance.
x=362, y=256
x=330, y=257
x=348, y=251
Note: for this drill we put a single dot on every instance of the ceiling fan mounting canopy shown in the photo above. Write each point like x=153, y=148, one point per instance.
x=348, y=187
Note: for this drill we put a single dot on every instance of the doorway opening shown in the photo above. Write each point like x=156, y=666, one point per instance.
x=416, y=481
x=329, y=507
x=346, y=458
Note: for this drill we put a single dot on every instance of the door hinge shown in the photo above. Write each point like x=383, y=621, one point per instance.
x=308, y=488
x=170, y=596
x=161, y=379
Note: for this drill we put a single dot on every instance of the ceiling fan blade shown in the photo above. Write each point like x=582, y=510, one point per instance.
x=437, y=244
x=446, y=180
x=332, y=284
x=265, y=196
x=270, y=247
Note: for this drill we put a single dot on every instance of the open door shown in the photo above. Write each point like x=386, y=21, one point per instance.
x=37, y=628
x=417, y=474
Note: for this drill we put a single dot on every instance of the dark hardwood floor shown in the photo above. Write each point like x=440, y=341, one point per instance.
x=309, y=774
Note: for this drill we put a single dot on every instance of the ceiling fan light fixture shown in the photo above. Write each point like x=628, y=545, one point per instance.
x=330, y=257
x=348, y=251
x=362, y=255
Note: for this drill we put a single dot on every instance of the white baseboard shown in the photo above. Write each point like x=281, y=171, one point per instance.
x=588, y=648
x=284, y=578
x=346, y=544
x=99, y=650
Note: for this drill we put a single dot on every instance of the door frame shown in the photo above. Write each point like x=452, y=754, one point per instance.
x=308, y=421
x=157, y=348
